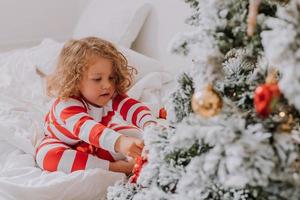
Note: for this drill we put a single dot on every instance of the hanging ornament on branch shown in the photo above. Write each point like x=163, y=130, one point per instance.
x=267, y=95
x=286, y=120
x=207, y=103
x=139, y=162
x=252, y=14
x=265, y=99
x=85, y=147
x=162, y=113
x=268, y=99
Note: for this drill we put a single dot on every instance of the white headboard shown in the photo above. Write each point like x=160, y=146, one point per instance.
x=165, y=20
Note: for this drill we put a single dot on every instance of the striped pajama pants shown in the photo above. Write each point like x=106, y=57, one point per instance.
x=55, y=155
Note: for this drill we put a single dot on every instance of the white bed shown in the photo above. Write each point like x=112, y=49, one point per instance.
x=23, y=104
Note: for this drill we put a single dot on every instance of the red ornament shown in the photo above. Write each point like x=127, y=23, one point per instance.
x=139, y=162
x=162, y=113
x=85, y=147
x=265, y=98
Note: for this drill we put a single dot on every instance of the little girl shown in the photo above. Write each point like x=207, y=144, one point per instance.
x=90, y=85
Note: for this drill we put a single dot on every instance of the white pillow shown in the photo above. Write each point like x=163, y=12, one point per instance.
x=117, y=21
x=143, y=64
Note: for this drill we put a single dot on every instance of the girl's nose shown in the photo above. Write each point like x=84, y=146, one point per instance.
x=106, y=85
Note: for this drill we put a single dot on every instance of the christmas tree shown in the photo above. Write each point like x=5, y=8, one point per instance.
x=235, y=121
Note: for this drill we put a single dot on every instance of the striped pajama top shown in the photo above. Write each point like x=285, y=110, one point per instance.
x=74, y=120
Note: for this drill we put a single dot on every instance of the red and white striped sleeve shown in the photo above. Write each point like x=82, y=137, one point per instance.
x=132, y=111
x=73, y=115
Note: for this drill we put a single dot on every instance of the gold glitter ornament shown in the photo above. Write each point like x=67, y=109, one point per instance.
x=207, y=103
x=288, y=125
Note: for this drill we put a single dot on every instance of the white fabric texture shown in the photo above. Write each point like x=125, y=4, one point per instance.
x=119, y=25
x=20, y=178
x=144, y=64
x=152, y=90
x=23, y=105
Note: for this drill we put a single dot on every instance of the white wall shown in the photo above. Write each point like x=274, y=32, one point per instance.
x=27, y=22
x=165, y=20
x=82, y=4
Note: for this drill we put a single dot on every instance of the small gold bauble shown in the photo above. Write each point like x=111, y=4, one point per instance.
x=288, y=123
x=284, y=118
x=207, y=103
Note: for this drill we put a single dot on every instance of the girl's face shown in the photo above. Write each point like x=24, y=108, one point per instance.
x=97, y=85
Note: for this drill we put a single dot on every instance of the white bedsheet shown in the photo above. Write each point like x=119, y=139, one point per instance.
x=22, y=107
x=20, y=178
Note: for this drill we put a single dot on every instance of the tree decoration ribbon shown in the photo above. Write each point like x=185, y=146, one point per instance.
x=251, y=20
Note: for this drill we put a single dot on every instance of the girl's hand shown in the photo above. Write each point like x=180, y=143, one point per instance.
x=129, y=146
x=122, y=166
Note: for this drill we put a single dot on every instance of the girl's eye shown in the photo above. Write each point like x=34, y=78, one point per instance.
x=111, y=78
x=97, y=79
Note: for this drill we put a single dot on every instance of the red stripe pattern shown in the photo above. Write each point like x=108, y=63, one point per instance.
x=71, y=122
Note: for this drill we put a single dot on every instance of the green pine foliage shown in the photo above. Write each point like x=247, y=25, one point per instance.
x=248, y=193
x=242, y=75
x=182, y=157
x=234, y=33
x=181, y=98
x=194, y=158
x=192, y=3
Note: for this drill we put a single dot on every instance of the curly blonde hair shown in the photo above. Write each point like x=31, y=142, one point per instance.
x=74, y=60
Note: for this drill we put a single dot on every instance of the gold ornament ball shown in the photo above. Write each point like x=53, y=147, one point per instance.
x=285, y=119
x=207, y=103
x=288, y=122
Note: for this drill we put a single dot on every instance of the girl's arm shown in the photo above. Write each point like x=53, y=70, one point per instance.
x=133, y=111
x=74, y=117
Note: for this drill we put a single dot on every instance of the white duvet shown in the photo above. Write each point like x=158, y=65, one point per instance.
x=22, y=107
